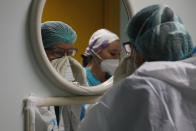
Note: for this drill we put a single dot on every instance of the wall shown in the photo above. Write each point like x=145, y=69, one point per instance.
x=19, y=73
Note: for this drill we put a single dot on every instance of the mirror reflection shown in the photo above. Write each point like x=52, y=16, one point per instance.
x=85, y=20
x=101, y=56
x=58, y=40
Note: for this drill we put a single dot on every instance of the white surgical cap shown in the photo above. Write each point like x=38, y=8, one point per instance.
x=99, y=40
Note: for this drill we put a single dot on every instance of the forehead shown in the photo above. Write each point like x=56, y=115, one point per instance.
x=115, y=45
x=63, y=45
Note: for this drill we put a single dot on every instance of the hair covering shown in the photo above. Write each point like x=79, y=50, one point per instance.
x=100, y=40
x=56, y=32
x=158, y=34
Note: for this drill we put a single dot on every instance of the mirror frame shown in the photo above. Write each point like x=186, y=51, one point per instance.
x=43, y=62
x=128, y=5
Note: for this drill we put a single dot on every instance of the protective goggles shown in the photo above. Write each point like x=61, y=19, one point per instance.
x=60, y=52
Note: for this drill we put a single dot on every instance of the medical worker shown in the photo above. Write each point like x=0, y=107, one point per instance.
x=160, y=94
x=58, y=40
x=101, y=56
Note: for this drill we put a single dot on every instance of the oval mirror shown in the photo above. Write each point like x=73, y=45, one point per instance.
x=85, y=24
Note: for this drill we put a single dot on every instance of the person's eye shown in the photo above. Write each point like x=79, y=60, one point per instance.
x=59, y=54
x=69, y=52
x=113, y=54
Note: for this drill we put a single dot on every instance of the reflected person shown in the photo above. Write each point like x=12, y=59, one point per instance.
x=160, y=94
x=58, y=40
x=100, y=58
x=102, y=53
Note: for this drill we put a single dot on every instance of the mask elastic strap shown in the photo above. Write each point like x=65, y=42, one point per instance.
x=94, y=53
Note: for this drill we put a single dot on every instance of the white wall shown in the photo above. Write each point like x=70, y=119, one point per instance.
x=19, y=73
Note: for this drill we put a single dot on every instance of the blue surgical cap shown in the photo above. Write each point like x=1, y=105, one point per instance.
x=158, y=34
x=56, y=32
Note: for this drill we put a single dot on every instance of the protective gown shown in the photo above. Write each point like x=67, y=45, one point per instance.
x=44, y=118
x=159, y=96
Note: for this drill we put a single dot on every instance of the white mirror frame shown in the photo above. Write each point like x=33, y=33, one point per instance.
x=46, y=67
x=128, y=4
x=44, y=64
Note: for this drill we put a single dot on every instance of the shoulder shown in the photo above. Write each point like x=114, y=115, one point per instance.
x=133, y=88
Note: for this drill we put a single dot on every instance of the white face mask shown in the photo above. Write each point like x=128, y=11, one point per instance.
x=109, y=65
x=68, y=73
x=63, y=67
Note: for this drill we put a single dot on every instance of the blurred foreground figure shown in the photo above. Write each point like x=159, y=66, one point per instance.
x=158, y=94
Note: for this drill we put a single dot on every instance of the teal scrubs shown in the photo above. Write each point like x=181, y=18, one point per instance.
x=92, y=81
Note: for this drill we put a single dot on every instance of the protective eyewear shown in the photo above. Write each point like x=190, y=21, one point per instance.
x=60, y=52
x=131, y=51
x=127, y=47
